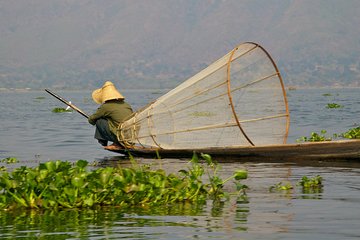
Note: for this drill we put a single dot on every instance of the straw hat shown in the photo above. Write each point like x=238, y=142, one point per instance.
x=107, y=92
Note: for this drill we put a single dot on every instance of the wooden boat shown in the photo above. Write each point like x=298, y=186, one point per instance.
x=235, y=108
x=315, y=151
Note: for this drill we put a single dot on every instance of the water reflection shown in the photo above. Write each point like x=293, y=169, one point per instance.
x=176, y=221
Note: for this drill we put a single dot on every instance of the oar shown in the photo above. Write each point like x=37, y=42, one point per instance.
x=67, y=103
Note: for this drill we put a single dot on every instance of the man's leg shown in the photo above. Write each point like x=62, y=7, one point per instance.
x=102, y=132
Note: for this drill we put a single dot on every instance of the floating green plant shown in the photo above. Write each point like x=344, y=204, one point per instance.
x=315, y=137
x=333, y=105
x=308, y=184
x=60, y=184
x=312, y=182
x=311, y=185
x=216, y=183
x=38, y=99
x=60, y=110
x=281, y=187
x=9, y=160
x=352, y=133
x=327, y=94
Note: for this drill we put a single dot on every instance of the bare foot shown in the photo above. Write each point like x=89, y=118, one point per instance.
x=114, y=146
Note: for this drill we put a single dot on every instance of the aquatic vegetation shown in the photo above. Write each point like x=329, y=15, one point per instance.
x=311, y=185
x=334, y=105
x=60, y=110
x=39, y=99
x=281, y=187
x=315, y=137
x=216, y=183
x=312, y=182
x=308, y=184
x=61, y=184
x=327, y=94
x=9, y=160
x=352, y=133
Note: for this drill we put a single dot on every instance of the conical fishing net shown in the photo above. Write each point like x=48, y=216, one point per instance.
x=239, y=100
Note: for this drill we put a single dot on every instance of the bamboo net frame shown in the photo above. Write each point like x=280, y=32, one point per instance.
x=239, y=100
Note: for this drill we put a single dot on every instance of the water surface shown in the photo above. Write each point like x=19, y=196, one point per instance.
x=32, y=133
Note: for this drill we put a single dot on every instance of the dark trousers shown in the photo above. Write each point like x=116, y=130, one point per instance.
x=103, y=133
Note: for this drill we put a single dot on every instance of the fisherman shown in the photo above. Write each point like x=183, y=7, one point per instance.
x=112, y=111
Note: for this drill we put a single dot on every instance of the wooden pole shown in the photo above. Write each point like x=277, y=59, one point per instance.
x=67, y=103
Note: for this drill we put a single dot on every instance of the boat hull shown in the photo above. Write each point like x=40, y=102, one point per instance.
x=329, y=150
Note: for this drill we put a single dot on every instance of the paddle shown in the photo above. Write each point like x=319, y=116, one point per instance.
x=67, y=103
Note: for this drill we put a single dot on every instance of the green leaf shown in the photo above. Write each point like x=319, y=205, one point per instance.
x=207, y=158
x=50, y=166
x=105, y=175
x=240, y=174
x=195, y=158
x=60, y=110
x=81, y=164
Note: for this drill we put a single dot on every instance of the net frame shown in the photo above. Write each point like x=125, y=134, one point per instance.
x=141, y=129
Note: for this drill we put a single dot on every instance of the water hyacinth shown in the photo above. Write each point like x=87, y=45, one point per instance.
x=61, y=110
x=60, y=184
x=311, y=182
x=311, y=185
x=281, y=186
x=333, y=105
x=315, y=137
x=352, y=133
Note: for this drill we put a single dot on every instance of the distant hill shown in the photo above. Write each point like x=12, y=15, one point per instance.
x=160, y=43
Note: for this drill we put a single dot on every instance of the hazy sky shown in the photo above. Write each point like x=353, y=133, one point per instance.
x=168, y=37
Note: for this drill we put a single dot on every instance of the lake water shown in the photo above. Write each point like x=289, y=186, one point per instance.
x=32, y=133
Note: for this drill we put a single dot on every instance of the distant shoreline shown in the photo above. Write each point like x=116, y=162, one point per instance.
x=289, y=88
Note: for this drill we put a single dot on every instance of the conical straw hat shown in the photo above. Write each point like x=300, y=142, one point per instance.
x=107, y=92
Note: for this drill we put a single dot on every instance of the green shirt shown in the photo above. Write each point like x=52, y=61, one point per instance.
x=115, y=111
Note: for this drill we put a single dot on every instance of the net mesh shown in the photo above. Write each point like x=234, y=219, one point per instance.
x=239, y=100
